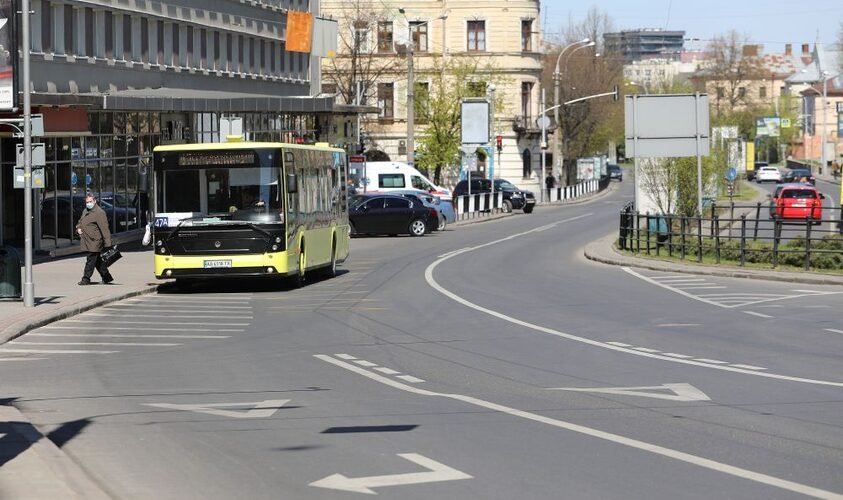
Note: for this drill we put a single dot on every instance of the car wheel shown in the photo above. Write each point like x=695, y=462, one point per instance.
x=417, y=227
x=442, y=223
x=528, y=209
x=507, y=206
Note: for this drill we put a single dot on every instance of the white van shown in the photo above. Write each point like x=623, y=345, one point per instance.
x=385, y=176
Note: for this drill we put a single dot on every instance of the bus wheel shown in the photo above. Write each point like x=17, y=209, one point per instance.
x=331, y=270
x=298, y=280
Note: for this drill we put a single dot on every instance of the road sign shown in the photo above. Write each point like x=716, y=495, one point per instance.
x=785, y=122
x=39, y=161
x=731, y=174
x=543, y=121
x=658, y=126
x=73, y=179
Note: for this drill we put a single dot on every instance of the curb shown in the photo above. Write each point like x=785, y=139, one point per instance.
x=603, y=251
x=21, y=327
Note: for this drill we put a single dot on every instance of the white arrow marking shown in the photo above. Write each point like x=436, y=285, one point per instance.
x=681, y=392
x=260, y=409
x=437, y=472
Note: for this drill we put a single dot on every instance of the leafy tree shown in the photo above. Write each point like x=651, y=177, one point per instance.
x=672, y=182
x=438, y=107
x=733, y=65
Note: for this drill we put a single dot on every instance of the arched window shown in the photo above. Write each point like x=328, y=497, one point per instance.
x=526, y=164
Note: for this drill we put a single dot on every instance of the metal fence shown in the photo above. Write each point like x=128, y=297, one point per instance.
x=742, y=234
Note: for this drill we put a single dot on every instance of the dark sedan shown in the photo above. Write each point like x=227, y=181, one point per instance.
x=615, y=172
x=801, y=175
x=387, y=214
x=60, y=213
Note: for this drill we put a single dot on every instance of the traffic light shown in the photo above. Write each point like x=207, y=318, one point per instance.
x=499, y=142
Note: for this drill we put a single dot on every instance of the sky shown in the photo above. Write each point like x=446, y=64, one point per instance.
x=773, y=23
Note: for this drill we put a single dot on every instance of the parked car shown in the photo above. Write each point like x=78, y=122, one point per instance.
x=615, y=172
x=513, y=198
x=765, y=174
x=445, y=208
x=802, y=175
x=390, y=214
x=66, y=210
x=797, y=202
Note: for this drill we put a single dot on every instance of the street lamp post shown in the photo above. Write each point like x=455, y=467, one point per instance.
x=411, y=83
x=824, y=75
x=557, y=77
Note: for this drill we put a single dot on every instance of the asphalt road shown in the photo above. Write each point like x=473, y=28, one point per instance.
x=487, y=361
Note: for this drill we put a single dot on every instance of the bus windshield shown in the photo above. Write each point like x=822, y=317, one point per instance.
x=218, y=187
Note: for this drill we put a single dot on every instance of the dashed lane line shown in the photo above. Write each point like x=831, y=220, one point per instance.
x=760, y=315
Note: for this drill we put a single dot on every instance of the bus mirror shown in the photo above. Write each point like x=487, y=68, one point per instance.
x=292, y=185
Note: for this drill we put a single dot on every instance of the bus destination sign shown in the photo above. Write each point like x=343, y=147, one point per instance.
x=216, y=158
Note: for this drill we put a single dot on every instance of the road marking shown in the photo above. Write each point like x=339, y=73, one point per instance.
x=136, y=307
x=345, y=356
x=760, y=315
x=410, y=378
x=22, y=359
x=749, y=367
x=207, y=314
x=702, y=287
x=363, y=362
x=596, y=433
x=428, y=276
x=666, y=325
x=674, y=355
x=259, y=409
x=388, y=371
x=128, y=344
x=645, y=349
x=454, y=252
x=127, y=335
x=118, y=322
x=683, y=280
x=832, y=330
x=168, y=316
x=681, y=392
x=54, y=351
x=436, y=472
x=712, y=361
x=109, y=328
x=619, y=344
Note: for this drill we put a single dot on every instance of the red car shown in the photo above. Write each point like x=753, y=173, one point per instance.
x=798, y=202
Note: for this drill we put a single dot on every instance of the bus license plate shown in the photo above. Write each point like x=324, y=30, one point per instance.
x=217, y=264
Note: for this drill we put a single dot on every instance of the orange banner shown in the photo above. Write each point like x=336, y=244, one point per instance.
x=299, y=31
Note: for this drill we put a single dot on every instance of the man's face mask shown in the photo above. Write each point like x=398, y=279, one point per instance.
x=89, y=205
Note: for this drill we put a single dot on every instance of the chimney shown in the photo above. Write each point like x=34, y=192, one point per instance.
x=750, y=50
x=788, y=49
x=806, y=49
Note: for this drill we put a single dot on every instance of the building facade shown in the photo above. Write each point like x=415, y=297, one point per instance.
x=641, y=44
x=115, y=79
x=505, y=36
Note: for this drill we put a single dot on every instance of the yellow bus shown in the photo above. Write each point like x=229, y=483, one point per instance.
x=249, y=209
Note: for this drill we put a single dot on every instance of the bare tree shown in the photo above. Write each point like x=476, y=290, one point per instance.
x=586, y=127
x=734, y=62
x=362, y=38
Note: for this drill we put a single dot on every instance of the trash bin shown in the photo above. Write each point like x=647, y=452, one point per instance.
x=10, y=282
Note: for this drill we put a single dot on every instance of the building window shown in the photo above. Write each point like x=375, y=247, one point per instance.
x=203, y=49
x=89, y=32
x=721, y=92
x=252, y=55
x=526, y=35
x=127, y=37
x=385, y=36
x=421, y=102
x=144, y=39
x=329, y=88
x=217, y=50
x=386, y=101
x=69, y=24
x=476, y=36
x=229, y=57
x=189, y=47
x=742, y=92
x=176, y=45
x=476, y=89
x=526, y=100
x=418, y=32
x=762, y=92
x=526, y=164
x=46, y=27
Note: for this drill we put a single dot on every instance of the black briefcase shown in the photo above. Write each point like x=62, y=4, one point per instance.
x=110, y=256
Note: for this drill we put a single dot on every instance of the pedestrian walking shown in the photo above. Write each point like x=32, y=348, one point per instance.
x=549, y=183
x=95, y=237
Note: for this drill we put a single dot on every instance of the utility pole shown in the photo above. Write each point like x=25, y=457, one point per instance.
x=411, y=103
x=28, y=286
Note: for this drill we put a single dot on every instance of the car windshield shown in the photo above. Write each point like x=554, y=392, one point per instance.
x=356, y=201
x=800, y=173
x=614, y=167
x=502, y=184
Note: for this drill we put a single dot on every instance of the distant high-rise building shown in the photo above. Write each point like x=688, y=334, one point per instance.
x=641, y=44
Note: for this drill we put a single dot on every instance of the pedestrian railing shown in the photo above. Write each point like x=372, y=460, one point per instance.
x=576, y=190
x=738, y=234
x=475, y=205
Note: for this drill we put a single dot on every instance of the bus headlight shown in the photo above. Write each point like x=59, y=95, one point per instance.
x=162, y=250
x=277, y=239
x=274, y=248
